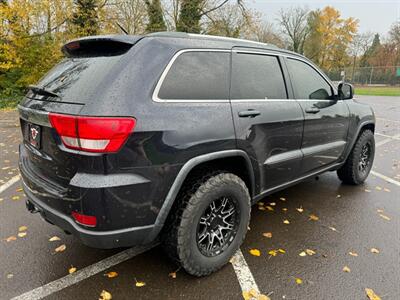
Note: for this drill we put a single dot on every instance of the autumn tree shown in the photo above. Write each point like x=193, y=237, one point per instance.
x=155, y=15
x=295, y=27
x=85, y=17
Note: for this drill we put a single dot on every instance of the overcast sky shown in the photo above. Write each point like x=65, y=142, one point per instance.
x=374, y=16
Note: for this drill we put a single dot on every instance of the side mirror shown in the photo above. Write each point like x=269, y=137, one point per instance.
x=345, y=91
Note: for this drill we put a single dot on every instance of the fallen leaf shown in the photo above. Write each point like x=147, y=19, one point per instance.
x=272, y=204
x=111, y=274
x=378, y=188
x=104, y=295
x=21, y=234
x=298, y=280
x=386, y=190
x=54, y=238
x=368, y=191
x=255, y=252
x=249, y=295
x=346, y=269
x=281, y=251
x=282, y=199
x=140, y=284
x=11, y=238
x=310, y=252
x=384, y=217
x=286, y=222
x=284, y=209
x=269, y=208
x=15, y=198
x=71, y=270
x=355, y=254
x=60, y=248
x=338, y=196
x=172, y=275
x=302, y=254
x=314, y=217
x=300, y=209
x=379, y=210
x=267, y=234
x=371, y=294
x=374, y=250
x=9, y=276
x=273, y=252
x=22, y=228
x=332, y=228
x=263, y=297
x=261, y=207
x=19, y=190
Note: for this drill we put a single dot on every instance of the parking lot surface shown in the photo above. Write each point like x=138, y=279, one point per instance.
x=353, y=232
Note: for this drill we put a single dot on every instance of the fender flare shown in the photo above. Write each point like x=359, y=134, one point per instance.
x=180, y=178
x=355, y=137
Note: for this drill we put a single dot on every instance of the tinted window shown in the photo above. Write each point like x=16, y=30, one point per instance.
x=197, y=75
x=257, y=77
x=308, y=83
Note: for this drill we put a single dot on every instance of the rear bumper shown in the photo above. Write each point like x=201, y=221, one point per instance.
x=98, y=239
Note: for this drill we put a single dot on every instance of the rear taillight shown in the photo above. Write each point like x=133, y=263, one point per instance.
x=90, y=221
x=92, y=134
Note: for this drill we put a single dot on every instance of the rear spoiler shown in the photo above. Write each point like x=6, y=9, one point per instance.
x=100, y=45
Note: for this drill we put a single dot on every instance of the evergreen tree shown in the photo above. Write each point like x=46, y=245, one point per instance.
x=85, y=18
x=155, y=14
x=189, y=16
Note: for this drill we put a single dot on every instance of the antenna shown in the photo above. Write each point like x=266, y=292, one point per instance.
x=122, y=28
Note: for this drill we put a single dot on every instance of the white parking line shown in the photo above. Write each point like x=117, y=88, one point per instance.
x=9, y=183
x=243, y=273
x=384, y=177
x=388, y=139
x=66, y=281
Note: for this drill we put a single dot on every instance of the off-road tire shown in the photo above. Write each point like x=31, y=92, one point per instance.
x=349, y=173
x=179, y=236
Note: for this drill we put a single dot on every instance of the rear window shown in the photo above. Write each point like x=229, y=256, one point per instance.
x=74, y=79
x=197, y=76
x=256, y=76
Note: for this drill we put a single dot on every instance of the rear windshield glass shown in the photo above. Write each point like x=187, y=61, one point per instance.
x=75, y=79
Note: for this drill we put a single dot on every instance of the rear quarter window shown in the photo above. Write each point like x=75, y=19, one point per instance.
x=197, y=75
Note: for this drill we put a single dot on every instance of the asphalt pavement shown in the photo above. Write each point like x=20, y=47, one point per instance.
x=357, y=227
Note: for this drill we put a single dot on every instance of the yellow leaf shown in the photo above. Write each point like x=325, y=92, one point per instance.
x=263, y=297
x=346, y=269
x=269, y=208
x=282, y=199
x=255, y=252
x=19, y=190
x=54, y=238
x=371, y=294
x=172, y=275
x=368, y=191
x=272, y=204
x=111, y=274
x=284, y=209
x=380, y=210
x=273, y=252
x=378, y=188
x=71, y=270
x=140, y=284
x=261, y=207
x=22, y=228
x=298, y=280
x=281, y=251
x=338, y=196
x=314, y=217
x=355, y=254
x=267, y=234
x=374, y=250
x=11, y=238
x=249, y=295
x=385, y=217
x=105, y=295
x=300, y=209
x=60, y=248
x=286, y=222
x=310, y=252
x=21, y=234
x=15, y=198
x=302, y=254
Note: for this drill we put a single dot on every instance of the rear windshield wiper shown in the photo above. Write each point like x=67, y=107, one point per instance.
x=42, y=91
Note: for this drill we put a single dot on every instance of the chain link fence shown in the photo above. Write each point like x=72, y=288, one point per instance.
x=388, y=75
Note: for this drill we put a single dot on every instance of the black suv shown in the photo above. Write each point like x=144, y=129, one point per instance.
x=171, y=137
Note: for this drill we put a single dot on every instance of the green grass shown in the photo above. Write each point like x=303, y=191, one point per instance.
x=8, y=104
x=377, y=91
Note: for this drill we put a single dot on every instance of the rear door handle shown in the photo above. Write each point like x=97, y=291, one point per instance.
x=312, y=110
x=250, y=113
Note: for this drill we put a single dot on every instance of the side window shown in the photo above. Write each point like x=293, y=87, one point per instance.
x=308, y=83
x=197, y=76
x=256, y=76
